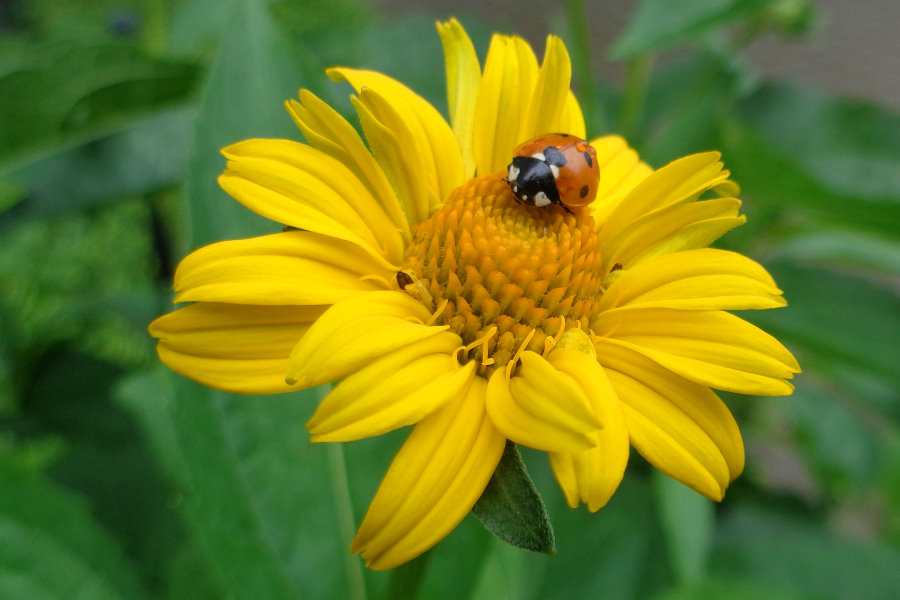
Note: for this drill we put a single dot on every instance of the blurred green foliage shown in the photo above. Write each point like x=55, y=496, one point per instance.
x=121, y=480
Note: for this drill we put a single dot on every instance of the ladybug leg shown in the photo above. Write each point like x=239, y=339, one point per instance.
x=565, y=208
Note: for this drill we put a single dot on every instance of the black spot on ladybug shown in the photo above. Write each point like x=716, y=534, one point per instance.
x=552, y=156
x=564, y=134
x=584, y=191
x=587, y=159
x=403, y=279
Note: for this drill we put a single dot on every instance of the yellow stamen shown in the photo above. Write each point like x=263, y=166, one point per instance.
x=512, y=363
x=483, y=342
x=454, y=356
x=549, y=343
x=440, y=309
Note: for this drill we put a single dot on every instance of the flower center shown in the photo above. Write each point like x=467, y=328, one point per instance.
x=504, y=276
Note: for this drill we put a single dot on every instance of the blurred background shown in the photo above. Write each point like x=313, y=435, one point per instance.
x=121, y=480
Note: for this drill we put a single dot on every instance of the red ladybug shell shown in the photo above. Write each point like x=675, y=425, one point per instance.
x=571, y=161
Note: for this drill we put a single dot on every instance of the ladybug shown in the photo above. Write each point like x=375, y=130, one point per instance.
x=557, y=169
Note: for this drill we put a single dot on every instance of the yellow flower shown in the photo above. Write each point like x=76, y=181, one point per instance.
x=410, y=275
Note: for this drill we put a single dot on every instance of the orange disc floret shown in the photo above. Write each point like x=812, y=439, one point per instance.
x=504, y=267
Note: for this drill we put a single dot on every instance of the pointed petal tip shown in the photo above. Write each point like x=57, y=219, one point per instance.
x=356, y=546
x=336, y=73
x=594, y=507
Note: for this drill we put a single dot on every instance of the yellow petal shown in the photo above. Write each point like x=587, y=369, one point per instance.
x=313, y=177
x=391, y=143
x=572, y=119
x=702, y=279
x=295, y=267
x=681, y=428
x=236, y=348
x=463, y=81
x=713, y=348
x=510, y=72
x=695, y=402
x=306, y=176
x=541, y=408
x=680, y=181
x=433, y=482
x=330, y=133
x=621, y=170
x=551, y=93
x=672, y=229
x=399, y=389
x=432, y=140
x=290, y=209
x=517, y=101
x=593, y=475
x=356, y=331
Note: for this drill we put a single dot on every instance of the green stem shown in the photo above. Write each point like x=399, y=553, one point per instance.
x=581, y=63
x=636, y=82
x=406, y=579
x=340, y=487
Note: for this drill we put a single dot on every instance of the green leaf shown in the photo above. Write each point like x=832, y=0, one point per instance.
x=406, y=579
x=197, y=26
x=256, y=494
x=660, y=23
x=835, y=322
x=714, y=588
x=688, y=522
x=795, y=554
x=82, y=94
x=104, y=457
x=456, y=563
x=511, y=507
x=851, y=147
x=843, y=447
x=52, y=548
x=866, y=256
x=149, y=396
x=504, y=573
x=146, y=156
x=614, y=553
x=11, y=195
x=220, y=444
x=684, y=103
x=772, y=176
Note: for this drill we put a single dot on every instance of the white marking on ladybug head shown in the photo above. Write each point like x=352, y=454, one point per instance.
x=539, y=156
x=555, y=170
x=516, y=189
x=513, y=172
x=541, y=200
